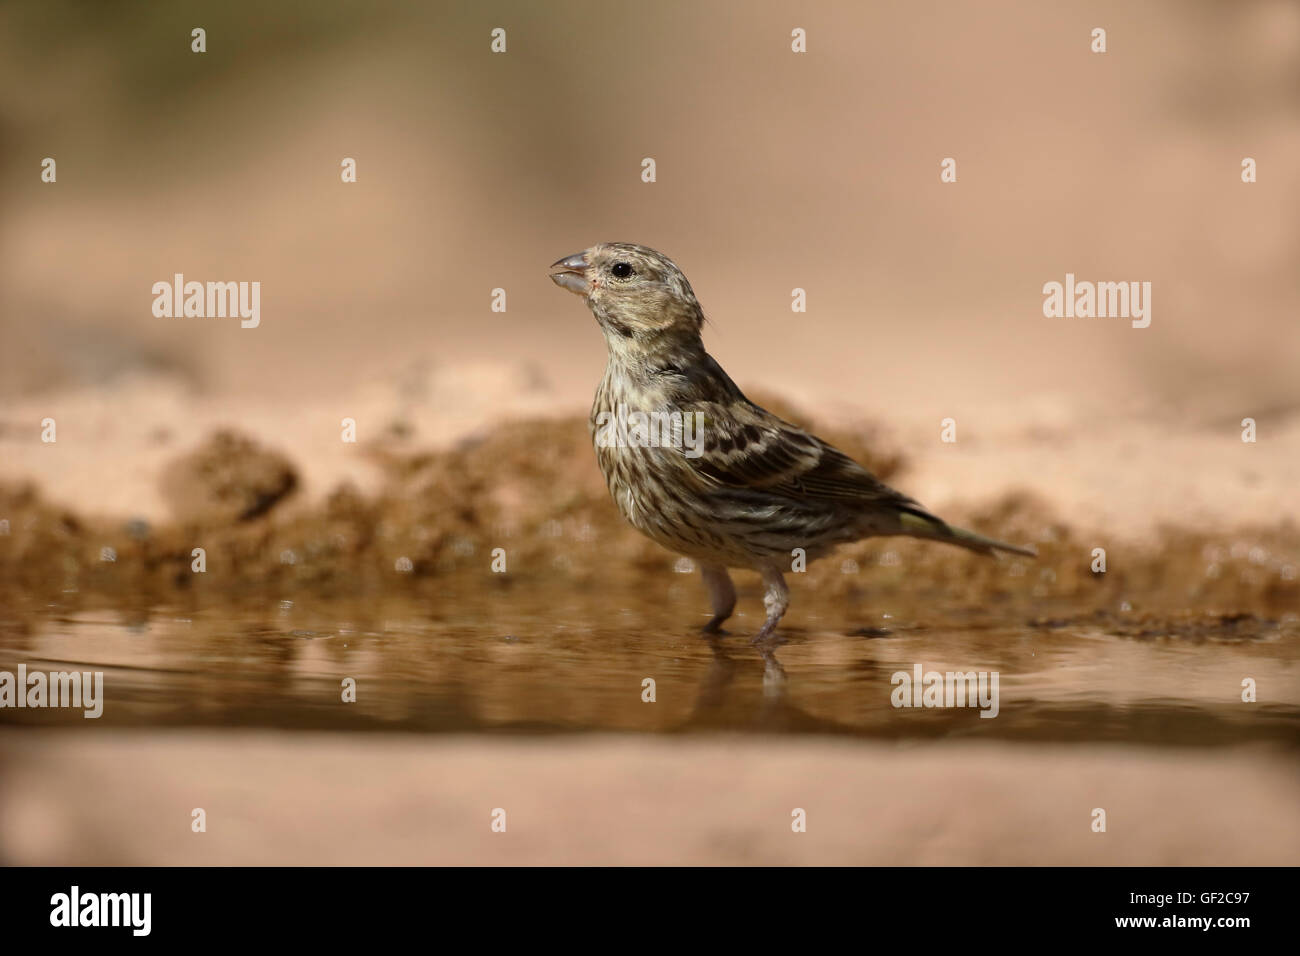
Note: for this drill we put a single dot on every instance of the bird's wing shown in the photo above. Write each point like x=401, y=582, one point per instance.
x=745, y=446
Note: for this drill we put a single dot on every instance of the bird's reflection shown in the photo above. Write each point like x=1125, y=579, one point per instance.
x=774, y=678
x=720, y=672
x=726, y=699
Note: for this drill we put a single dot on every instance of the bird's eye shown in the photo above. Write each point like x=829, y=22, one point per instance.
x=621, y=270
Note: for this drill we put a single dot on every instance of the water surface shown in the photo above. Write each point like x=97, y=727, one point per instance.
x=540, y=659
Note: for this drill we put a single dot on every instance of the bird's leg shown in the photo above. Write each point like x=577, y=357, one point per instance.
x=776, y=600
x=722, y=595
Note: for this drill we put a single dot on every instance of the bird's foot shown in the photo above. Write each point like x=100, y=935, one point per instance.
x=714, y=627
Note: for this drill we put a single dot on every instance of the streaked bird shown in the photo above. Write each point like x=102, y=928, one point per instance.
x=747, y=488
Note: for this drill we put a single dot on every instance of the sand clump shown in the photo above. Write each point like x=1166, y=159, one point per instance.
x=229, y=478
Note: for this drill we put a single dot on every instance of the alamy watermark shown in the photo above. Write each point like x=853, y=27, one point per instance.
x=946, y=689
x=213, y=300
x=82, y=689
x=623, y=429
x=1103, y=300
x=75, y=908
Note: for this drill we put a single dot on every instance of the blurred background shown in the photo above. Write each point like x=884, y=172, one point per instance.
x=774, y=171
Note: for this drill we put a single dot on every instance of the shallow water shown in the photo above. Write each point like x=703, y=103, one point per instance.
x=539, y=659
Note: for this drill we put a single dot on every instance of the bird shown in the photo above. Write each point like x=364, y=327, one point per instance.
x=720, y=480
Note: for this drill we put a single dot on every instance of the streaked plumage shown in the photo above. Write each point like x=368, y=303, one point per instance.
x=760, y=486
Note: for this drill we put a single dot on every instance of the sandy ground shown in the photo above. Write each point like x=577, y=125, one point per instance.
x=1110, y=475
x=619, y=800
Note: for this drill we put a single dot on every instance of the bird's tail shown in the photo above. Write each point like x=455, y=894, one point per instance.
x=919, y=524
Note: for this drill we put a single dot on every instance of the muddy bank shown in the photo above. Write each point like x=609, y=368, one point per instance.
x=531, y=488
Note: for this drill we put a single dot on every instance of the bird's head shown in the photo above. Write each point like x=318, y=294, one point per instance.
x=639, y=296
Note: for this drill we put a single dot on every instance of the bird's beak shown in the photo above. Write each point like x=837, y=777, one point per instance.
x=572, y=273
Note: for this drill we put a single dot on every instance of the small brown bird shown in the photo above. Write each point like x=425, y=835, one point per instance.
x=696, y=466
